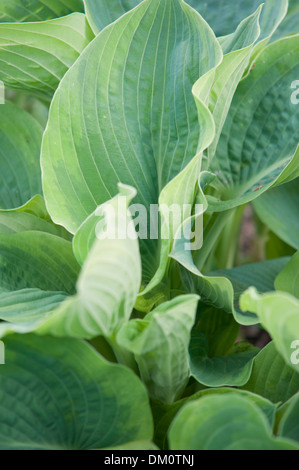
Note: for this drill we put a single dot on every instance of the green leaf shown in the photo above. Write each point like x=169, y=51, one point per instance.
x=227, y=422
x=287, y=280
x=237, y=49
x=95, y=137
x=215, y=88
x=32, y=216
x=271, y=377
x=20, y=11
x=224, y=19
x=279, y=210
x=36, y=260
x=215, y=359
x=136, y=445
x=38, y=271
x=25, y=306
x=20, y=176
x=35, y=56
x=160, y=345
x=101, y=13
x=290, y=22
x=223, y=288
x=278, y=313
x=257, y=147
x=63, y=395
x=108, y=284
x=288, y=419
x=164, y=414
x=221, y=17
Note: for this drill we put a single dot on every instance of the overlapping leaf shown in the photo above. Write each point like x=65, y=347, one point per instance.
x=227, y=422
x=279, y=210
x=288, y=279
x=278, y=312
x=160, y=345
x=20, y=11
x=105, y=291
x=137, y=123
x=288, y=419
x=219, y=14
x=215, y=359
x=271, y=377
x=20, y=175
x=257, y=148
x=165, y=414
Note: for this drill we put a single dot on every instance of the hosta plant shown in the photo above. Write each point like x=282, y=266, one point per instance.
x=173, y=122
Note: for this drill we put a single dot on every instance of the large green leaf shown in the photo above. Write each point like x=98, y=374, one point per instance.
x=257, y=147
x=32, y=216
x=223, y=288
x=218, y=13
x=160, y=345
x=290, y=22
x=279, y=210
x=106, y=290
x=35, y=56
x=223, y=18
x=278, y=313
x=287, y=280
x=123, y=125
x=20, y=176
x=164, y=414
x=63, y=395
x=37, y=272
x=288, y=419
x=224, y=422
x=215, y=359
x=18, y=11
x=271, y=377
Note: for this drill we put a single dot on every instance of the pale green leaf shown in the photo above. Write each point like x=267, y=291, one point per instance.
x=164, y=414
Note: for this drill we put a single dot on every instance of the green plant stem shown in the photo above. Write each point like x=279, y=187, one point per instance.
x=212, y=233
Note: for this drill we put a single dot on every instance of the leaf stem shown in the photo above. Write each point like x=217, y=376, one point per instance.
x=212, y=231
